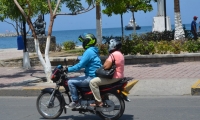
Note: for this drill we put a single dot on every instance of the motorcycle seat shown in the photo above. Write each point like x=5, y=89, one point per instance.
x=123, y=80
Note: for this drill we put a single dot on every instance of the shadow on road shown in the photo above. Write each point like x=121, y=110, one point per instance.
x=92, y=117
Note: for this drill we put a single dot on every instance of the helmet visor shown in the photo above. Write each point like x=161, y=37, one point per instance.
x=80, y=38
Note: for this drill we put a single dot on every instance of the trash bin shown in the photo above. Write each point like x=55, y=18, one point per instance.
x=20, y=43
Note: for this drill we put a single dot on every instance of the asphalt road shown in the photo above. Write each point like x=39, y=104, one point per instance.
x=140, y=108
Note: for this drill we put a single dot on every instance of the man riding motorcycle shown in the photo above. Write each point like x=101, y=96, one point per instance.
x=90, y=61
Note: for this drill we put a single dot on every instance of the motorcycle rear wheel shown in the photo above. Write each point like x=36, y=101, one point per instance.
x=51, y=111
x=118, y=109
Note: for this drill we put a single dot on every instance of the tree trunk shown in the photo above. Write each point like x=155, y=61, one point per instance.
x=122, y=26
x=26, y=60
x=179, y=32
x=48, y=63
x=134, y=26
x=45, y=63
x=98, y=23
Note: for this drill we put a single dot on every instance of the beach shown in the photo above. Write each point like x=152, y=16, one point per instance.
x=10, y=53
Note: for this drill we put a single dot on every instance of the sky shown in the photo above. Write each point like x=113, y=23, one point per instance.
x=188, y=8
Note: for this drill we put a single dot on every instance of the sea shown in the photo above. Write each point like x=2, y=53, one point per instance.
x=72, y=35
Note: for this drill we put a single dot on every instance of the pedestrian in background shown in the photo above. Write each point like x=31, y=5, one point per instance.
x=199, y=26
x=194, y=28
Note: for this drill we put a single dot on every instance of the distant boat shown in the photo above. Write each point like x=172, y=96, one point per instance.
x=130, y=25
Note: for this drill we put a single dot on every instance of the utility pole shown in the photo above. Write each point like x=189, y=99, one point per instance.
x=165, y=15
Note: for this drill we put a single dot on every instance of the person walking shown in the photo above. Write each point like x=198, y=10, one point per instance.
x=194, y=28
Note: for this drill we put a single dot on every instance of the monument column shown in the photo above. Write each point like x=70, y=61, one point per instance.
x=159, y=20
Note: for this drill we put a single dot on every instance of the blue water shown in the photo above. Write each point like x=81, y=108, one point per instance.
x=66, y=35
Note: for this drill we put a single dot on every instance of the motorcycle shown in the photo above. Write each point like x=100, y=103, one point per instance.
x=51, y=102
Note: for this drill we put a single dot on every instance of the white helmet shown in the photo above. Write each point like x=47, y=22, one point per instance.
x=114, y=45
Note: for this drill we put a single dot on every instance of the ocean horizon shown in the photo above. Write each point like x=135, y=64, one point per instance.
x=72, y=35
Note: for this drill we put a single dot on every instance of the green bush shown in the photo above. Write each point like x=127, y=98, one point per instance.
x=138, y=47
x=177, y=46
x=156, y=42
x=69, y=45
x=150, y=47
x=103, y=48
x=192, y=46
x=162, y=47
x=127, y=46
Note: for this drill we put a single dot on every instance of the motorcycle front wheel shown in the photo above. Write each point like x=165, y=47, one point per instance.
x=119, y=107
x=49, y=109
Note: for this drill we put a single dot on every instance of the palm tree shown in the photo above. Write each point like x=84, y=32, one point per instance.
x=179, y=32
x=98, y=23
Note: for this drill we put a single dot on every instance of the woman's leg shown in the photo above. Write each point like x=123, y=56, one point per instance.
x=94, y=86
x=96, y=82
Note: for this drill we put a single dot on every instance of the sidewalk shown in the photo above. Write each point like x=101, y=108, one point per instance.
x=154, y=79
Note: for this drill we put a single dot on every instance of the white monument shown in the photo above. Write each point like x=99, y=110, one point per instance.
x=159, y=20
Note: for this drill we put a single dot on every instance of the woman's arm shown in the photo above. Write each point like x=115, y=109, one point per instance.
x=107, y=64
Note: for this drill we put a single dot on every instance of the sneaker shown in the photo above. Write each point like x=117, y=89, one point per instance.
x=73, y=105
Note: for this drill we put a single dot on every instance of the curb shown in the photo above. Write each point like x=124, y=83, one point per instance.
x=34, y=89
x=195, y=89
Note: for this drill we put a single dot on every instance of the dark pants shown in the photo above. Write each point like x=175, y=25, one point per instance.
x=195, y=35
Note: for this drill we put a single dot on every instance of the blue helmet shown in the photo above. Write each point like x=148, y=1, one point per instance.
x=87, y=40
x=114, y=45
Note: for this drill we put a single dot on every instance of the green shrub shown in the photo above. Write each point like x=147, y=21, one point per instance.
x=69, y=45
x=138, y=47
x=156, y=42
x=162, y=47
x=127, y=46
x=192, y=46
x=103, y=48
x=177, y=46
x=150, y=47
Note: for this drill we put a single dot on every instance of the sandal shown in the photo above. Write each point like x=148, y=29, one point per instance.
x=97, y=104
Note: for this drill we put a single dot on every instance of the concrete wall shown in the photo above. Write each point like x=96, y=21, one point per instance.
x=159, y=24
x=129, y=59
x=137, y=59
x=42, y=41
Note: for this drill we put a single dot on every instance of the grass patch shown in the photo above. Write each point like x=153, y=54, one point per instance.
x=76, y=51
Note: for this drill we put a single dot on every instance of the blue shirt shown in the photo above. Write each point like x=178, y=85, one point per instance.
x=193, y=24
x=90, y=61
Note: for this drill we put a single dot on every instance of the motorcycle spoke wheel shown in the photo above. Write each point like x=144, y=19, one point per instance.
x=118, y=108
x=48, y=109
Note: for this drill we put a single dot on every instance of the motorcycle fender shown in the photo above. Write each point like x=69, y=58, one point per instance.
x=47, y=90
x=124, y=95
